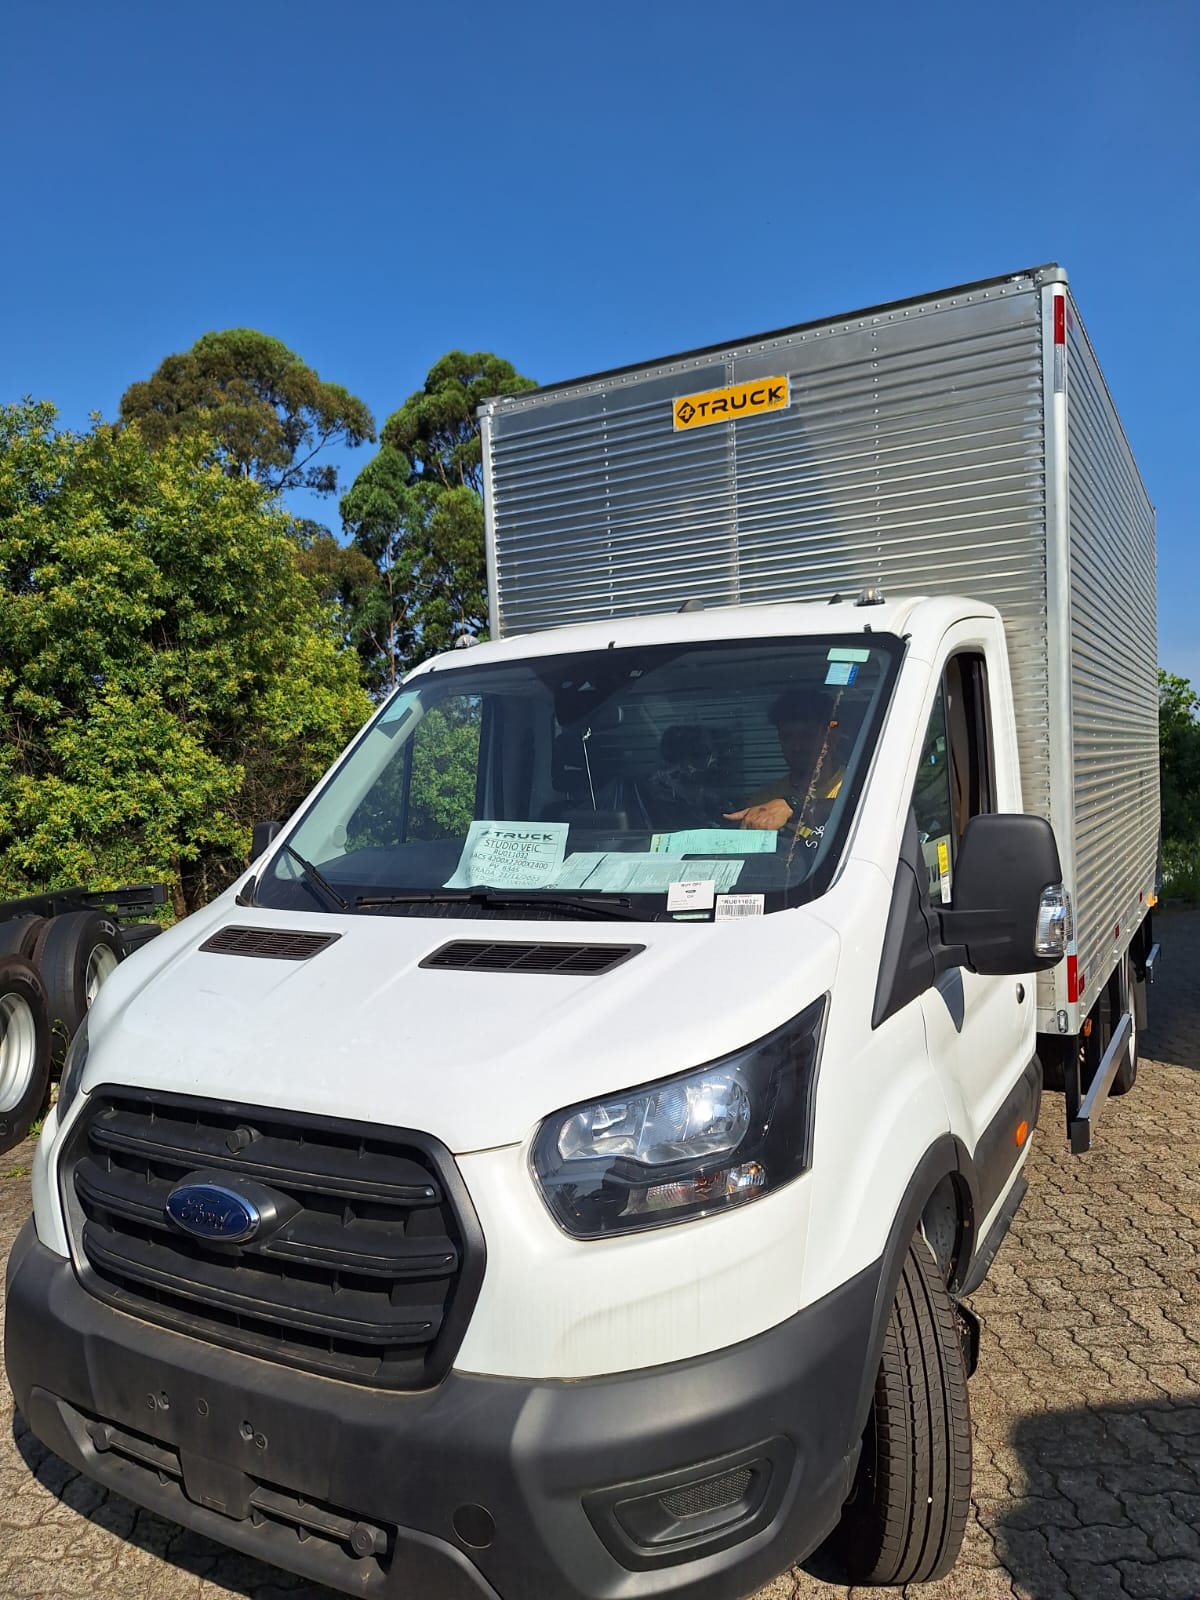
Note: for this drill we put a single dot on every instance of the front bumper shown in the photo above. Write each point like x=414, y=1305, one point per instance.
x=707, y=1476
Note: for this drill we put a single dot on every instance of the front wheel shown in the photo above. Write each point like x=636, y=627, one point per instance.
x=906, y=1514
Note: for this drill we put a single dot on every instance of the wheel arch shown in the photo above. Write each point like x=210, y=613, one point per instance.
x=945, y=1175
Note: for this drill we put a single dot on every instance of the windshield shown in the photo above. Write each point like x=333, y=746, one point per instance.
x=691, y=781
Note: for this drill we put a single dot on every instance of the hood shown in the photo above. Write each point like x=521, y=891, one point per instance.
x=362, y=1030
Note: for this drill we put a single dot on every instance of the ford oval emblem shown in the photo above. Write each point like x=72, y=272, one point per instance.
x=211, y=1211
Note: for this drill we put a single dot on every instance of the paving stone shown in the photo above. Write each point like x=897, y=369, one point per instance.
x=1161, y=1580
x=1097, y=1543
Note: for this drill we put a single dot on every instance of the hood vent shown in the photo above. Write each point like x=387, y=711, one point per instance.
x=574, y=960
x=278, y=944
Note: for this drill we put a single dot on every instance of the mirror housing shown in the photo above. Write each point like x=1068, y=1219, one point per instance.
x=1001, y=921
x=264, y=832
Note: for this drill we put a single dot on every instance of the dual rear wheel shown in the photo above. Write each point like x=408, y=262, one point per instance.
x=51, y=970
x=24, y=1048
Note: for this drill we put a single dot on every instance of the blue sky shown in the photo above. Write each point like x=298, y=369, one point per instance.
x=577, y=187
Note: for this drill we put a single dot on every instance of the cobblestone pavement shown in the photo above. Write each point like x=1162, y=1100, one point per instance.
x=1086, y=1404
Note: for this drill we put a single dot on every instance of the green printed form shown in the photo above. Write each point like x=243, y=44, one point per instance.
x=617, y=873
x=511, y=855
x=718, y=841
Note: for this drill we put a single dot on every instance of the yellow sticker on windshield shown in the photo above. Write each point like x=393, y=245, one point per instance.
x=943, y=850
x=727, y=405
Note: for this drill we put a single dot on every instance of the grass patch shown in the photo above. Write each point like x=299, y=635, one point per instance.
x=17, y=1172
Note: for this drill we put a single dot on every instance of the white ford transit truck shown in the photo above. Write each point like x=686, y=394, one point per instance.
x=558, y=1168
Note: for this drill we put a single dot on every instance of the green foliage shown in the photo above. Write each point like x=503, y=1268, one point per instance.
x=441, y=790
x=382, y=513
x=441, y=797
x=269, y=413
x=167, y=674
x=1179, y=757
x=436, y=427
x=348, y=584
x=416, y=511
x=1179, y=767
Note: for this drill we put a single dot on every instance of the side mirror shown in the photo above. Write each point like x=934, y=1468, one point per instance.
x=264, y=832
x=1009, y=914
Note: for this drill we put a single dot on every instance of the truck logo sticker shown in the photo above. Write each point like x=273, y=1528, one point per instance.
x=726, y=405
x=210, y=1211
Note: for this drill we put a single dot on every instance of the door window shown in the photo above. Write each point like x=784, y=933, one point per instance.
x=955, y=776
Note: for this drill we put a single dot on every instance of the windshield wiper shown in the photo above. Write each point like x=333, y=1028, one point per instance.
x=318, y=877
x=619, y=907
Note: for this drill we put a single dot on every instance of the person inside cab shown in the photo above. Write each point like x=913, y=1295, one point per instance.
x=800, y=799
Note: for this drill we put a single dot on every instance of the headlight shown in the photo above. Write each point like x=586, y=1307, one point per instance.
x=72, y=1072
x=687, y=1146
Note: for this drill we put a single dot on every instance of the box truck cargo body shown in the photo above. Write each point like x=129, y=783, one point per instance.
x=963, y=443
x=559, y=1167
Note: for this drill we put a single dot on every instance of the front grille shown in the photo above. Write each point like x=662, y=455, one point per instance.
x=371, y=1276
x=572, y=960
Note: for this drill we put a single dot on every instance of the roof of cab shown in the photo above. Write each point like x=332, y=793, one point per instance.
x=792, y=618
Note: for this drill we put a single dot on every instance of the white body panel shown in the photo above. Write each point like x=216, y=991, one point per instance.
x=480, y=1059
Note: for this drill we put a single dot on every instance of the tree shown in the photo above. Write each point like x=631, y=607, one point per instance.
x=1179, y=759
x=269, y=413
x=348, y=584
x=416, y=510
x=436, y=427
x=382, y=513
x=168, y=676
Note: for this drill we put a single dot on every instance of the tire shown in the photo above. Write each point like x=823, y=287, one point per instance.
x=81, y=950
x=19, y=937
x=24, y=1049
x=906, y=1514
x=1120, y=1000
x=1101, y=1025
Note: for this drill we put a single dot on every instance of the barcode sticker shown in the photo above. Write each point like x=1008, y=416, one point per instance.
x=739, y=905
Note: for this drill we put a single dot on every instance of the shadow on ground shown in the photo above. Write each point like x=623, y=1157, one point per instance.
x=1104, y=1504
x=1109, y=1502
x=1175, y=997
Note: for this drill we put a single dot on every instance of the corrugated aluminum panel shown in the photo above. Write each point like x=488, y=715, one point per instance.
x=911, y=456
x=922, y=451
x=1114, y=678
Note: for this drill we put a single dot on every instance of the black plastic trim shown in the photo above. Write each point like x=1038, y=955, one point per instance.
x=527, y=1452
x=996, y=1235
x=769, y=1465
x=264, y=1326
x=269, y=944
x=996, y=1151
x=540, y=956
x=906, y=963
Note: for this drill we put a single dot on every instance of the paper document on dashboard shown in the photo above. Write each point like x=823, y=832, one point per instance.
x=619, y=873
x=510, y=855
x=717, y=841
